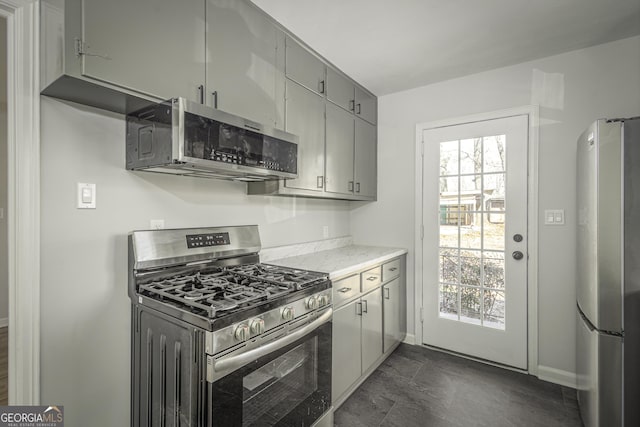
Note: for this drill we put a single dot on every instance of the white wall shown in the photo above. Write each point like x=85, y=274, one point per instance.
x=601, y=81
x=4, y=253
x=85, y=333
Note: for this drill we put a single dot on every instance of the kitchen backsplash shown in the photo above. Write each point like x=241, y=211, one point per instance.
x=278, y=252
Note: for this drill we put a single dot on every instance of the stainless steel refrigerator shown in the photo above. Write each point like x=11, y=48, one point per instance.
x=608, y=275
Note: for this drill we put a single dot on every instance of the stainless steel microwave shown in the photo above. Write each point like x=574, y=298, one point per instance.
x=181, y=137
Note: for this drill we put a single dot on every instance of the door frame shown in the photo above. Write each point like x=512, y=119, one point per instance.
x=533, y=113
x=23, y=204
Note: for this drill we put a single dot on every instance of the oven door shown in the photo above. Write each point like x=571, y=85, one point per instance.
x=290, y=385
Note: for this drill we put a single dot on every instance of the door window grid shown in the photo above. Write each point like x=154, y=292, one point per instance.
x=471, y=272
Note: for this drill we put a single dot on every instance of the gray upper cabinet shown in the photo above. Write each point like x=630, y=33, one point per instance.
x=340, y=90
x=339, y=150
x=305, y=118
x=365, y=159
x=155, y=47
x=366, y=106
x=242, y=62
x=304, y=67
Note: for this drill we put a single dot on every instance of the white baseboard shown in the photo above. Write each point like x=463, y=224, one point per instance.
x=410, y=339
x=557, y=376
x=4, y=322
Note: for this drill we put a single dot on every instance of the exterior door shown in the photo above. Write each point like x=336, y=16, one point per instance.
x=475, y=239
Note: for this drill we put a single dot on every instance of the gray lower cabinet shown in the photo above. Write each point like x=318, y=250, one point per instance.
x=357, y=340
x=242, y=63
x=369, y=322
x=346, y=349
x=305, y=118
x=152, y=46
x=392, y=309
x=371, y=328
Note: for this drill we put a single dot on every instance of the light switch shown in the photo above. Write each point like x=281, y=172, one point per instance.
x=86, y=196
x=554, y=217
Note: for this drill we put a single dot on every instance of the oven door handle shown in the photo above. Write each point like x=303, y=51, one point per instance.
x=234, y=362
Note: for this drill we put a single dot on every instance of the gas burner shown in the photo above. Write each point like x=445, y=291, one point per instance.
x=192, y=295
x=219, y=291
x=221, y=305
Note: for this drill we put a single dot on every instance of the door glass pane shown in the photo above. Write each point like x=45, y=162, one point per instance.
x=494, y=309
x=493, y=234
x=449, y=266
x=449, y=301
x=494, y=159
x=472, y=230
x=470, y=262
x=449, y=158
x=470, y=303
x=493, y=270
x=470, y=155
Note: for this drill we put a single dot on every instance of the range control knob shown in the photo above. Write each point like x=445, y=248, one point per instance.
x=287, y=313
x=323, y=300
x=312, y=303
x=242, y=332
x=257, y=326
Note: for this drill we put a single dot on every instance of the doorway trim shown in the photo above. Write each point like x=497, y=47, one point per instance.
x=23, y=126
x=533, y=113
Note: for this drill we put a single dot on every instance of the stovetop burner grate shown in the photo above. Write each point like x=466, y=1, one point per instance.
x=222, y=290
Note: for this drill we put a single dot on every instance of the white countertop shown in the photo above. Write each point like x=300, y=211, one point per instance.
x=342, y=261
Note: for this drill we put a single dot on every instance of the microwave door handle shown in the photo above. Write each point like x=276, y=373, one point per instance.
x=234, y=362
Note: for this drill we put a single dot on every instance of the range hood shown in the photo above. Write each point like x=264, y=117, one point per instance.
x=181, y=137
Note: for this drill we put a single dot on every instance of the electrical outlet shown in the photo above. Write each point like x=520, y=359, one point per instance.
x=156, y=224
x=325, y=231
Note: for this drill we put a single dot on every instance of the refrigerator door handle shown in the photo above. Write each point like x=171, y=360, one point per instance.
x=586, y=321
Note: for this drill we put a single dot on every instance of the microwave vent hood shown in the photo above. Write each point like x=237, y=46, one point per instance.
x=181, y=137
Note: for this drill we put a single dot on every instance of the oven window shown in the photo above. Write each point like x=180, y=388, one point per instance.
x=270, y=392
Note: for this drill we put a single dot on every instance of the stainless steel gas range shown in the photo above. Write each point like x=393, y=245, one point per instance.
x=219, y=339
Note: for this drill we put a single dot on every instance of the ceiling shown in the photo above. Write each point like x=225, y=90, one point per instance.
x=390, y=46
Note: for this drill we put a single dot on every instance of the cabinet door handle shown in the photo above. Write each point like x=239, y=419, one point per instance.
x=350, y=186
x=365, y=308
x=386, y=293
x=214, y=95
x=344, y=290
x=352, y=105
x=357, y=187
x=357, y=108
x=321, y=86
x=393, y=268
x=371, y=278
x=359, y=308
x=320, y=181
x=201, y=93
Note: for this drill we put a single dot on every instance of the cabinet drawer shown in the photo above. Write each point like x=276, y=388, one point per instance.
x=345, y=289
x=390, y=270
x=371, y=279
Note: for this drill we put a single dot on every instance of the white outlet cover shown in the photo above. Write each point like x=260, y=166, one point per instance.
x=156, y=224
x=86, y=196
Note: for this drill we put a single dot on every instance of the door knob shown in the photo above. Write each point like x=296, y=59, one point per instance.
x=517, y=255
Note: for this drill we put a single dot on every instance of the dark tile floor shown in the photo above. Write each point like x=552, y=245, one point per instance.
x=416, y=386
